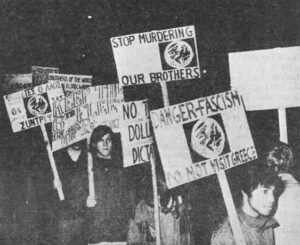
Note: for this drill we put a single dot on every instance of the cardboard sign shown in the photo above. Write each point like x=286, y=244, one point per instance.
x=156, y=56
x=78, y=113
x=32, y=107
x=267, y=79
x=70, y=82
x=40, y=74
x=202, y=137
x=137, y=141
x=16, y=82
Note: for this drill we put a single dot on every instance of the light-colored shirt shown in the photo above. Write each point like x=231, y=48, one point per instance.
x=288, y=213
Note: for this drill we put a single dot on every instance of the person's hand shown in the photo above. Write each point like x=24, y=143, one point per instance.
x=57, y=183
x=91, y=202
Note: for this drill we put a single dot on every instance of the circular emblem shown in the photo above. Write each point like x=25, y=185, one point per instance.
x=178, y=54
x=37, y=105
x=207, y=138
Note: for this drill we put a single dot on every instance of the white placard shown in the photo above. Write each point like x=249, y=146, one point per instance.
x=156, y=56
x=76, y=115
x=16, y=82
x=267, y=79
x=201, y=137
x=71, y=82
x=137, y=141
x=32, y=107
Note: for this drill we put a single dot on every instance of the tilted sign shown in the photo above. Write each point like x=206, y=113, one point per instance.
x=156, y=56
x=201, y=137
x=32, y=107
x=268, y=78
x=40, y=74
x=70, y=82
x=76, y=115
x=15, y=82
x=137, y=141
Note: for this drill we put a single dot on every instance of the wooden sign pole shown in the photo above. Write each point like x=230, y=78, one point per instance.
x=232, y=215
x=52, y=163
x=282, y=125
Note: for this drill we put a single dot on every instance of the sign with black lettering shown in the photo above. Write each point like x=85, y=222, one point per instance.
x=40, y=74
x=70, y=82
x=260, y=74
x=77, y=114
x=137, y=141
x=15, y=82
x=156, y=56
x=201, y=137
x=32, y=107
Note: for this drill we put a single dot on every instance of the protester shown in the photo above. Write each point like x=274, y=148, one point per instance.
x=175, y=228
x=70, y=213
x=280, y=158
x=110, y=212
x=259, y=193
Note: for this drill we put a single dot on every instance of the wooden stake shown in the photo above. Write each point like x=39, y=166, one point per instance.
x=282, y=125
x=155, y=194
x=232, y=214
x=52, y=162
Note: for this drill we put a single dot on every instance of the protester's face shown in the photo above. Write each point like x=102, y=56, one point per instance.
x=263, y=200
x=104, y=146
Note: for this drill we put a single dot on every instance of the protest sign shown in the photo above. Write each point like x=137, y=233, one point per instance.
x=78, y=113
x=40, y=74
x=137, y=141
x=156, y=56
x=202, y=137
x=15, y=82
x=32, y=107
x=267, y=79
x=70, y=82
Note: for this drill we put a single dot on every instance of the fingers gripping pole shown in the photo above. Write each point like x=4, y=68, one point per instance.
x=52, y=162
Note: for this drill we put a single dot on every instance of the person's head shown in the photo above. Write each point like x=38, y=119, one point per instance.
x=260, y=192
x=280, y=158
x=101, y=142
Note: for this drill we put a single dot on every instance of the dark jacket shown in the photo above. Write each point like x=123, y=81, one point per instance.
x=257, y=231
x=74, y=179
x=109, y=219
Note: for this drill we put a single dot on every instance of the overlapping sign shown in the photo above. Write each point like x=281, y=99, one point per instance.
x=268, y=78
x=156, y=56
x=32, y=107
x=15, y=82
x=137, y=141
x=78, y=113
x=71, y=82
x=40, y=74
x=201, y=137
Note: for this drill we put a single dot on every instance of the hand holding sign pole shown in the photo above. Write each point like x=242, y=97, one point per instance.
x=31, y=108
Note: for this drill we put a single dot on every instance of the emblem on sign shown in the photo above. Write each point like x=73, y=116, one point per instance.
x=37, y=105
x=208, y=138
x=178, y=54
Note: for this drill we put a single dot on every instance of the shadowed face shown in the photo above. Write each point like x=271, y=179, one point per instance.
x=104, y=147
x=263, y=200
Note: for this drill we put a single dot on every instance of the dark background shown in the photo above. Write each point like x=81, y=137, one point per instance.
x=59, y=33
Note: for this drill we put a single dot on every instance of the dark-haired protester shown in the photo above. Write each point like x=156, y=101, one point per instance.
x=70, y=213
x=175, y=227
x=258, y=201
x=280, y=158
x=114, y=203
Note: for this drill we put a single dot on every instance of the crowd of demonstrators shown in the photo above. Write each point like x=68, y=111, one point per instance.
x=258, y=199
x=280, y=158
